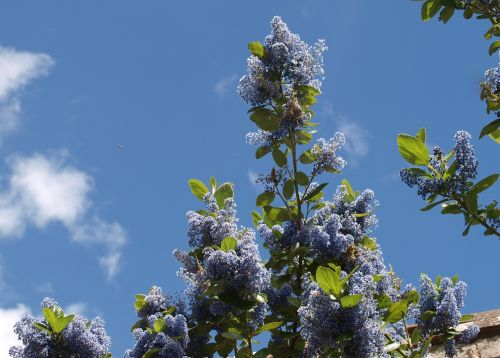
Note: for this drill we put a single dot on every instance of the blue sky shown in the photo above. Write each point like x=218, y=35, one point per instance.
x=91, y=224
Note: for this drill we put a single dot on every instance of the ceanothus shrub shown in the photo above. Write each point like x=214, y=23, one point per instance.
x=60, y=336
x=323, y=289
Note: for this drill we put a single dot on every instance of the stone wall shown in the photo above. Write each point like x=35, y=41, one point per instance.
x=488, y=343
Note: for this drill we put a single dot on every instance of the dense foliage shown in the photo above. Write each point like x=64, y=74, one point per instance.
x=324, y=289
x=60, y=336
x=448, y=180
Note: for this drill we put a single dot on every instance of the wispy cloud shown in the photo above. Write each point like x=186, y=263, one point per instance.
x=8, y=317
x=45, y=288
x=356, y=139
x=224, y=85
x=44, y=189
x=252, y=177
x=356, y=136
x=112, y=235
x=76, y=308
x=17, y=69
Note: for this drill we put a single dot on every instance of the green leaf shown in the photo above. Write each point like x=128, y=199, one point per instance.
x=425, y=347
x=279, y=157
x=396, y=311
x=471, y=201
x=430, y=206
x=495, y=135
x=229, y=243
x=234, y=336
x=263, y=353
x=256, y=218
x=446, y=14
x=430, y=8
x=490, y=128
x=494, y=47
x=422, y=135
x=350, y=192
x=265, y=119
x=213, y=183
x=485, y=183
x=139, y=324
x=257, y=49
x=288, y=189
x=350, y=301
x=302, y=178
x=468, y=13
x=198, y=188
x=261, y=297
x=42, y=327
x=451, y=209
x=62, y=323
x=50, y=317
x=416, y=335
x=427, y=315
x=265, y=198
x=159, y=325
x=223, y=192
x=306, y=157
x=412, y=296
x=308, y=90
x=329, y=281
x=383, y=300
x=369, y=243
x=139, y=302
x=215, y=288
x=311, y=195
x=413, y=150
x=269, y=326
x=277, y=214
x=466, y=317
x=303, y=137
x=308, y=100
x=262, y=151
x=153, y=352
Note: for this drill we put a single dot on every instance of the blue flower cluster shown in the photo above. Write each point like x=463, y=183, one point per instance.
x=238, y=273
x=325, y=152
x=444, y=300
x=287, y=58
x=211, y=229
x=492, y=79
x=465, y=157
x=240, y=270
x=166, y=335
x=353, y=331
x=466, y=169
x=157, y=301
x=288, y=64
x=82, y=338
x=170, y=338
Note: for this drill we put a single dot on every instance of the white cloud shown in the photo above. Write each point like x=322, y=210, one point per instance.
x=112, y=235
x=17, y=69
x=357, y=143
x=8, y=317
x=76, y=308
x=224, y=84
x=253, y=176
x=45, y=189
x=45, y=288
x=111, y=264
x=356, y=138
